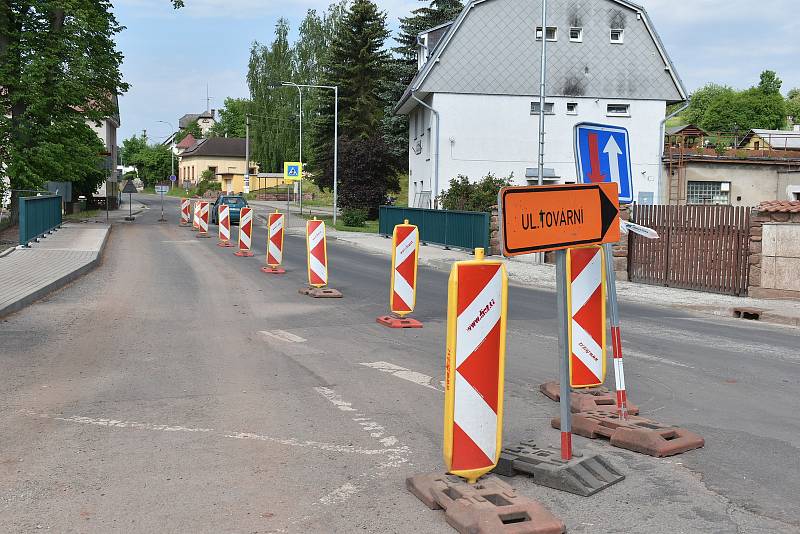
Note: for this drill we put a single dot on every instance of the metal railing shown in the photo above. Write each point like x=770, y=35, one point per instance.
x=37, y=216
x=459, y=229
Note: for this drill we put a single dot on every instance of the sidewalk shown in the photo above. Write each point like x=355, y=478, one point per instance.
x=28, y=274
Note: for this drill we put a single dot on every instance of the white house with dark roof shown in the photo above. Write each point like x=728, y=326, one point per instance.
x=480, y=74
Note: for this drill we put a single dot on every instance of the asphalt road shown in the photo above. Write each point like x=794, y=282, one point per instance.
x=178, y=389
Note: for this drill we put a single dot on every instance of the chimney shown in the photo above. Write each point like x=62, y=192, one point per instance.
x=213, y=113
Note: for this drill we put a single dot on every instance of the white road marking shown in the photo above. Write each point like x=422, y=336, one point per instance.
x=648, y=357
x=335, y=399
x=283, y=335
x=340, y=494
x=405, y=374
x=182, y=242
x=290, y=442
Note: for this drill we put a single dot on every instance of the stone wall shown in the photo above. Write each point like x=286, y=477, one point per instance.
x=775, y=250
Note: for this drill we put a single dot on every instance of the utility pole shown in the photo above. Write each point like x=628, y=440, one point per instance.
x=247, y=154
x=542, y=88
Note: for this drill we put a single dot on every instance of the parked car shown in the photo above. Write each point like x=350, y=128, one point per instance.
x=236, y=203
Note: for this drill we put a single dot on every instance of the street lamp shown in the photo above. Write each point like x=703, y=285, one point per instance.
x=172, y=151
x=335, y=140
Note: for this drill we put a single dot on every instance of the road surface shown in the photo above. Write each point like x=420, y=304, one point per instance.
x=178, y=389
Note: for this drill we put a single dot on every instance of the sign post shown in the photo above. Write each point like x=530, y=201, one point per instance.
x=130, y=189
x=614, y=167
x=558, y=217
x=291, y=173
x=161, y=189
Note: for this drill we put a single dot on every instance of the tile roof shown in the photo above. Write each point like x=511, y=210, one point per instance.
x=187, y=142
x=780, y=206
x=218, y=146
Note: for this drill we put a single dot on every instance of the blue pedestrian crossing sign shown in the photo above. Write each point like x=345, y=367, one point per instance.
x=291, y=170
x=602, y=154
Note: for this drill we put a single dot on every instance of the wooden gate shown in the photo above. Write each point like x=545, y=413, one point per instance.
x=700, y=247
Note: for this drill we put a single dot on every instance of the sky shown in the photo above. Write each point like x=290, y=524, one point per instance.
x=171, y=56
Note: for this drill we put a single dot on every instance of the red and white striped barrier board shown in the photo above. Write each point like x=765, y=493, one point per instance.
x=196, y=216
x=317, y=251
x=224, y=219
x=245, y=232
x=476, y=343
x=405, y=252
x=586, y=314
x=185, y=207
x=203, y=220
x=275, y=224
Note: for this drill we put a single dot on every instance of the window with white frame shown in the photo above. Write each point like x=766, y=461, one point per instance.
x=618, y=110
x=617, y=35
x=576, y=34
x=708, y=193
x=548, y=108
x=552, y=33
x=572, y=108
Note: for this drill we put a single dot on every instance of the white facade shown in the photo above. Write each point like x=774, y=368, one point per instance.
x=498, y=134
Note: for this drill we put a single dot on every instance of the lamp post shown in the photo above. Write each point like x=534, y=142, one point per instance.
x=172, y=151
x=335, y=89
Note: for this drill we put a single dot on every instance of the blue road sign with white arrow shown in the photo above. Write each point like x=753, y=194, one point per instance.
x=602, y=154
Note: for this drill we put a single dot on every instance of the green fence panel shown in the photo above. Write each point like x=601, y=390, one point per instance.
x=37, y=216
x=458, y=229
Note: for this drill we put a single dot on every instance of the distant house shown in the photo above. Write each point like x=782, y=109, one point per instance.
x=106, y=130
x=480, y=74
x=204, y=120
x=687, y=135
x=758, y=139
x=187, y=142
x=223, y=156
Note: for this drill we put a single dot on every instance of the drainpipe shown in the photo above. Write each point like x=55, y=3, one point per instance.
x=661, y=126
x=436, y=157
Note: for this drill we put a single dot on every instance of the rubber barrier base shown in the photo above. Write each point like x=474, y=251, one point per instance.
x=184, y=224
x=195, y=229
x=635, y=433
x=489, y=506
x=243, y=254
x=226, y=244
x=585, y=474
x=203, y=234
x=598, y=399
x=398, y=322
x=321, y=292
x=273, y=270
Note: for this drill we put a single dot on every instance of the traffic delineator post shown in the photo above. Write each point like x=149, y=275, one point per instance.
x=403, y=277
x=275, y=231
x=245, y=233
x=196, y=216
x=185, y=208
x=586, y=312
x=476, y=342
x=224, y=220
x=616, y=335
x=203, y=220
x=317, y=258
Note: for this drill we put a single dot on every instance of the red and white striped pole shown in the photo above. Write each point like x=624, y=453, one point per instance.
x=275, y=224
x=224, y=219
x=317, y=250
x=616, y=336
x=196, y=216
x=245, y=233
x=203, y=221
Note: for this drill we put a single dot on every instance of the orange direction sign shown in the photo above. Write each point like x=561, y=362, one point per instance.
x=555, y=217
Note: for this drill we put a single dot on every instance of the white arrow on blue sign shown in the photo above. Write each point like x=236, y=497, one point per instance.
x=602, y=154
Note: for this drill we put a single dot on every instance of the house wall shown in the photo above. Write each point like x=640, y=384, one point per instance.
x=498, y=134
x=751, y=184
x=774, y=255
x=192, y=167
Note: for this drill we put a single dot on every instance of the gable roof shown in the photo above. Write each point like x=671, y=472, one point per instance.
x=187, y=142
x=685, y=129
x=222, y=147
x=187, y=119
x=495, y=38
x=777, y=139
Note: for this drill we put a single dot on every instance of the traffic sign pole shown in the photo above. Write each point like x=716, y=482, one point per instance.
x=616, y=337
x=563, y=350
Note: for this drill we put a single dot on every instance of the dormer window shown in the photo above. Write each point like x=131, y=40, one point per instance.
x=617, y=35
x=422, y=50
x=576, y=34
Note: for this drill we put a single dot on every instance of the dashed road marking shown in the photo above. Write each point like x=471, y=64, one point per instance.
x=335, y=399
x=283, y=335
x=405, y=374
x=340, y=494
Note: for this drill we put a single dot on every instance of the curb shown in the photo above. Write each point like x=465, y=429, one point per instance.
x=56, y=284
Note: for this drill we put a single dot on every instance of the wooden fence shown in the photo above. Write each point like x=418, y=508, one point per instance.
x=701, y=247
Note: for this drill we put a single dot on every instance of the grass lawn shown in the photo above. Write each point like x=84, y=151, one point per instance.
x=88, y=214
x=369, y=226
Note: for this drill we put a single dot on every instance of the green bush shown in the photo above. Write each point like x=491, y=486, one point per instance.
x=465, y=195
x=208, y=185
x=354, y=217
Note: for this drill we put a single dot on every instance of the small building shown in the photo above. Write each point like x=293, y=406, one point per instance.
x=473, y=106
x=205, y=120
x=106, y=130
x=686, y=135
x=223, y=156
x=758, y=139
